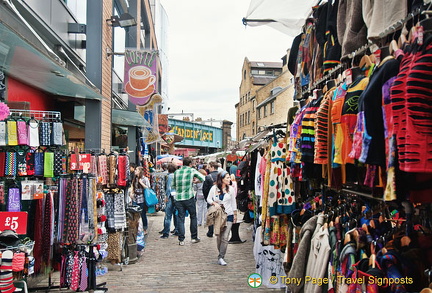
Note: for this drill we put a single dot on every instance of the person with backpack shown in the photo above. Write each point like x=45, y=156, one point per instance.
x=209, y=181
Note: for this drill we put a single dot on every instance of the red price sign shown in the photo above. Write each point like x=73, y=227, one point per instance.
x=16, y=221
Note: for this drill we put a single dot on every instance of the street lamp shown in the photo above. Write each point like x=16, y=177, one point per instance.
x=124, y=20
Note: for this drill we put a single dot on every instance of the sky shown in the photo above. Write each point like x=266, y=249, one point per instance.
x=207, y=44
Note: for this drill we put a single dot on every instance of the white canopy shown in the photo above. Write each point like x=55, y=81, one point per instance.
x=287, y=16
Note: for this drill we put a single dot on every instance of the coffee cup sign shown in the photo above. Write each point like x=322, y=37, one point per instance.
x=141, y=78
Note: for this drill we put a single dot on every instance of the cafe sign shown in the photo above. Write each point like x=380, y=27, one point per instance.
x=140, y=80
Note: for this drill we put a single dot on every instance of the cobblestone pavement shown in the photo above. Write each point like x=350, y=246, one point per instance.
x=167, y=267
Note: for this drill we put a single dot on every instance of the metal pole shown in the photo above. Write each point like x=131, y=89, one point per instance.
x=138, y=19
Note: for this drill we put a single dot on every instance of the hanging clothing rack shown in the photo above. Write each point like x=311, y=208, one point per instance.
x=38, y=115
x=391, y=29
x=399, y=24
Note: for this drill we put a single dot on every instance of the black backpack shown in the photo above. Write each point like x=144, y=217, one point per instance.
x=207, y=185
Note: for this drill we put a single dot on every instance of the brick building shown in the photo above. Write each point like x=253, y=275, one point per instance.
x=265, y=96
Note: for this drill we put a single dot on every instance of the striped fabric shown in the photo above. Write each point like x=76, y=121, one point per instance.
x=322, y=122
x=411, y=97
x=11, y=164
x=308, y=130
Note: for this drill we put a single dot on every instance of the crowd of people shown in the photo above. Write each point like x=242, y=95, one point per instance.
x=206, y=193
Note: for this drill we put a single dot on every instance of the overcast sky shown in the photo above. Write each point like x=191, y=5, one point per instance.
x=207, y=47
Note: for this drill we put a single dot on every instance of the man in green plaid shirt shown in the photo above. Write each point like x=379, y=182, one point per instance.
x=185, y=198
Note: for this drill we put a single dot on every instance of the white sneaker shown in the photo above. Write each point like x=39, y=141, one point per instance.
x=181, y=243
x=196, y=240
x=222, y=262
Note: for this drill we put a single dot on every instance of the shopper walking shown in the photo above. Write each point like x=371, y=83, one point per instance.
x=201, y=202
x=170, y=206
x=222, y=194
x=185, y=199
x=209, y=181
x=139, y=183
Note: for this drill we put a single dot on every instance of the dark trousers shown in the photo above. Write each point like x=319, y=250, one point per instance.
x=210, y=228
x=182, y=206
x=143, y=215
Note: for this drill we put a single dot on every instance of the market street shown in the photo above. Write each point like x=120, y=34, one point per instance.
x=167, y=267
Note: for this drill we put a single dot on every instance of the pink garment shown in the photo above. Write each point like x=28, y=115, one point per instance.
x=22, y=132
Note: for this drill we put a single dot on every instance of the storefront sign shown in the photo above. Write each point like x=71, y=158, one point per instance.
x=16, y=221
x=140, y=80
x=195, y=134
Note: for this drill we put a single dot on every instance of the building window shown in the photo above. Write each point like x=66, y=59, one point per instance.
x=253, y=106
x=253, y=128
x=248, y=117
x=272, y=109
x=244, y=74
x=259, y=113
x=265, y=110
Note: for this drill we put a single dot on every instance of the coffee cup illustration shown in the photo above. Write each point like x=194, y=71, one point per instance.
x=141, y=78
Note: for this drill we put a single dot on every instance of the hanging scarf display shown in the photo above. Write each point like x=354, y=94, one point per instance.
x=48, y=169
x=58, y=163
x=93, y=164
x=47, y=229
x=2, y=133
x=30, y=162
x=33, y=133
x=110, y=210
x=37, y=250
x=102, y=169
x=92, y=207
x=21, y=163
x=22, y=132
x=112, y=168
x=123, y=165
x=2, y=164
x=70, y=232
x=39, y=163
x=61, y=208
x=57, y=133
x=45, y=133
x=11, y=164
x=12, y=135
x=119, y=211
x=2, y=193
x=14, y=200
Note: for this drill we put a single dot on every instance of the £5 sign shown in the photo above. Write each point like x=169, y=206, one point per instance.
x=16, y=221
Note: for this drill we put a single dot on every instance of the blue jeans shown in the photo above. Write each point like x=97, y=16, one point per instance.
x=169, y=213
x=190, y=206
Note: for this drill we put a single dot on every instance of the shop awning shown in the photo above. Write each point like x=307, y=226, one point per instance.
x=128, y=118
x=28, y=64
x=287, y=16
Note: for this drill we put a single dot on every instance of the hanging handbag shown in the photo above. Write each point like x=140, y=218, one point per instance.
x=150, y=197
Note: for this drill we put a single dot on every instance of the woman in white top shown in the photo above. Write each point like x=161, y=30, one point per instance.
x=222, y=193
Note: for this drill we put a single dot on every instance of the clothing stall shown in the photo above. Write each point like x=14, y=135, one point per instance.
x=343, y=196
x=65, y=209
